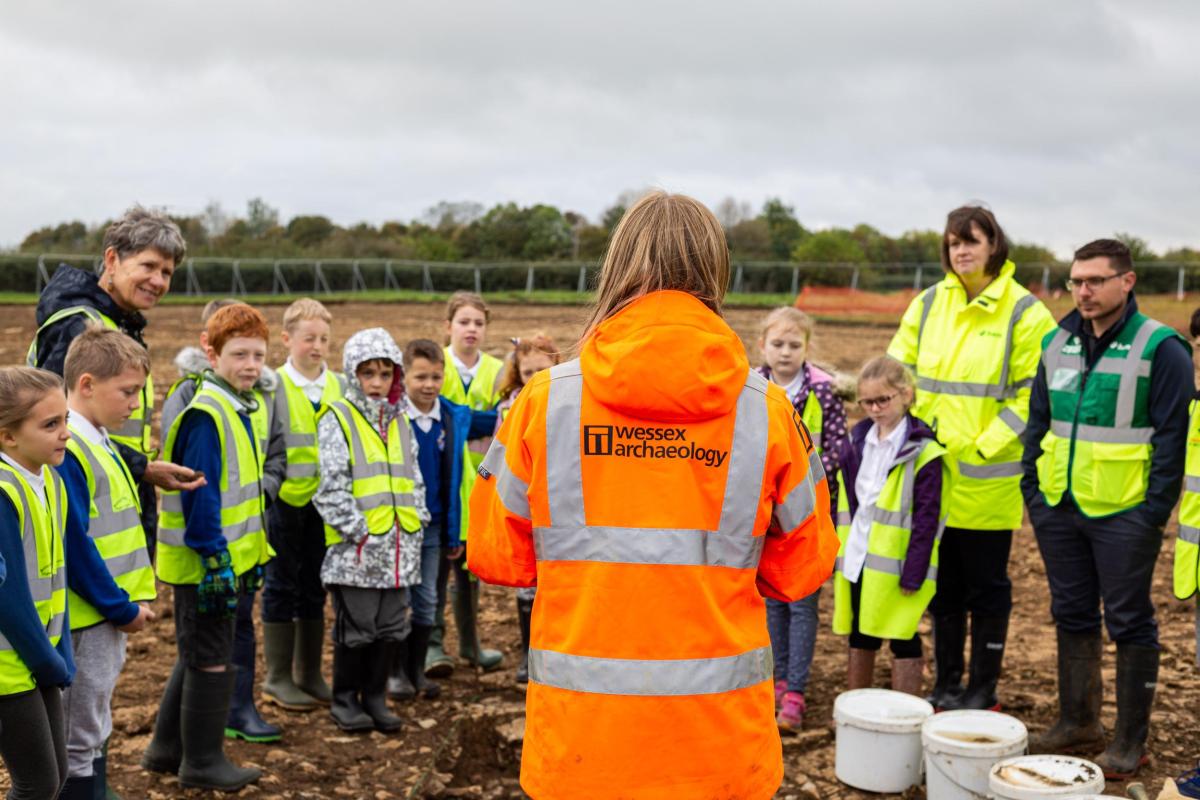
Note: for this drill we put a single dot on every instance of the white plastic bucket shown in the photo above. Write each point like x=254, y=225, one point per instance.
x=1039, y=777
x=879, y=739
x=962, y=746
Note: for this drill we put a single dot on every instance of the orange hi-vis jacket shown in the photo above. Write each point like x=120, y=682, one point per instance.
x=653, y=490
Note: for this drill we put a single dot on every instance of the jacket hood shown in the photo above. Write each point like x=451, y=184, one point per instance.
x=367, y=345
x=69, y=287
x=191, y=361
x=666, y=356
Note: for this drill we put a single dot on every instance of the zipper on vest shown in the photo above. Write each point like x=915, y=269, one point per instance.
x=1083, y=378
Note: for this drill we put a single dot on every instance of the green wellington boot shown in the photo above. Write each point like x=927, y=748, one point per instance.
x=466, y=615
x=306, y=660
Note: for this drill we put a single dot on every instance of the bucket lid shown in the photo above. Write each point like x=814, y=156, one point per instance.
x=1034, y=777
x=974, y=733
x=881, y=710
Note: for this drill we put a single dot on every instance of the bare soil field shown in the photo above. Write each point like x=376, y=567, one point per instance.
x=467, y=744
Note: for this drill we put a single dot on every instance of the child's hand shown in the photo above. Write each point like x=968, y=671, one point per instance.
x=455, y=553
x=907, y=592
x=166, y=475
x=145, y=614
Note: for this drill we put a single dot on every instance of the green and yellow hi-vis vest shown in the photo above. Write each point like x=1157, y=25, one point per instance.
x=482, y=395
x=1187, y=545
x=115, y=527
x=382, y=474
x=1098, y=447
x=41, y=539
x=299, y=420
x=883, y=611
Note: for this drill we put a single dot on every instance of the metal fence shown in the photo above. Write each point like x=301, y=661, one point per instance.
x=28, y=274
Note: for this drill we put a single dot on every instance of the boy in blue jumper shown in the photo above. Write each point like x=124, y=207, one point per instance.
x=441, y=429
x=212, y=547
x=109, y=577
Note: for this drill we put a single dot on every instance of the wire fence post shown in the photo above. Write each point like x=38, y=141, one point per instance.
x=529, y=280
x=238, y=287
x=319, y=282
x=917, y=279
x=43, y=277
x=1045, y=278
x=1179, y=289
x=389, y=280
x=192, y=286
x=278, y=282
x=478, y=282
x=581, y=287
x=426, y=280
x=795, y=280
x=357, y=284
x=854, y=280
x=738, y=278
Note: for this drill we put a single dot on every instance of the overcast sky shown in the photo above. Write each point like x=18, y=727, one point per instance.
x=1071, y=119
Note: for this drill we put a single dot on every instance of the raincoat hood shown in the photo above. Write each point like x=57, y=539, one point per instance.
x=191, y=361
x=367, y=345
x=666, y=356
x=69, y=287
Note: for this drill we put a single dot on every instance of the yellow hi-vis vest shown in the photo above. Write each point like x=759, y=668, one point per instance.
x=382, y=474
x=135, y=432
x=975, y=363
x=883, y=611
x=41, y=538
x=1187, y=546
x=482, y=395
x=243, y=504
x=1098, y=447
x=298, y=418
x=115, y=527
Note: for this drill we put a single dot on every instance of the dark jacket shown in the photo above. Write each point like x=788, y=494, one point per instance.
x=70, y=287
x=927, y=494
x=1171, y=389
x=461, y=425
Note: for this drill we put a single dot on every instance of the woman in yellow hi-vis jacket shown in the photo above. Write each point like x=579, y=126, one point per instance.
x=974, y=340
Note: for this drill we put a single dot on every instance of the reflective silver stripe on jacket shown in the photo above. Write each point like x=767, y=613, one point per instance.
x=1189, y=534
x=1129, y=369
x=107, y=521
x=650, y=677
x=1003, y=469
x=512, y=491
x=41, y=589
x=894, y=566
x=1191, y=483
x=1012, y=420
x=237, y=493
x=733, y=544
x=1001, y=389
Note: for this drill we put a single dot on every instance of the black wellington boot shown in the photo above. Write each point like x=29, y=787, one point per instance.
x=78, y=789
x=346, y=710
x=1080, y=693
x=165, y=750
x=949, y=639
x=1137, y=678
x=418, y=646
x=244, y=721
x=377, y=661
x=988, y=637
x=399, y=685
x=524, y=616
x=203, y=711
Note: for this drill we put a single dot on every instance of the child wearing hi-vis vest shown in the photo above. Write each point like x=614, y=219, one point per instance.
x=110, y=580
x=371, y=497
x=889, y=520
x=293, y=607
x=211, y=548
x=784, y=342
x=471, y=380
x=35, y=652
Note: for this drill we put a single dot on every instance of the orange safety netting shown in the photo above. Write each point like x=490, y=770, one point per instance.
x=835, y=300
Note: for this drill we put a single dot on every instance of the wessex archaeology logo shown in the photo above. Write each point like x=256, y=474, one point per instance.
x=625, y=441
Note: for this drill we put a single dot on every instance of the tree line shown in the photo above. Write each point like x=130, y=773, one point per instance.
x=466, y=231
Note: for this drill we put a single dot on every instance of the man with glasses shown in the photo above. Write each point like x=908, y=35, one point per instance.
x=1103, y=463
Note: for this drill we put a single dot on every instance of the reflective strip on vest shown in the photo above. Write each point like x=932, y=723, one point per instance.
x=1189, y=534
x=44, y=581
x=570, y=538
x=1014, y=422
x=895, y=566
x=650, y=677
x=512, y=491
x=1101, y=434
x=396, y=491
x=302, y=472
x=1191, y=483
x=1004, y=469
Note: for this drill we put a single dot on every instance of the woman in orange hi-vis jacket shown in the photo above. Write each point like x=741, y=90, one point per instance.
x=654, y=490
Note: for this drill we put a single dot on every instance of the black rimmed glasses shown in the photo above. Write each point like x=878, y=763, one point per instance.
x=876, y=402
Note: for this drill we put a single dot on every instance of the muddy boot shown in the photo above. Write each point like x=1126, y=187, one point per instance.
x=988, y=635
x=78, y=789
x=949, y=638
x=466, y=615
x=376, y=664
x=1137, y=678
x=165, y=750
x=244, y=721
x=861, y=671
x=908, y=675
x=524, y=615
x=306, y=660
x=346, y=710
x=418, y=644
x=203, y=710
x=399, y=686
x=437, y=663
x=1080, y=691
x=279, y=640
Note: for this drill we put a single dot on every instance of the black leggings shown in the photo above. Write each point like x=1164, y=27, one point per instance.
x=901, y=648
x=33, y=743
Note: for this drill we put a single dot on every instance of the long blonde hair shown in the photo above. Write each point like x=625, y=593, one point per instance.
x=665, y=241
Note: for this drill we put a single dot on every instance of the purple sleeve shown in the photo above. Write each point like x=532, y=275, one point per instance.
x=927, y=509
x=833, y=427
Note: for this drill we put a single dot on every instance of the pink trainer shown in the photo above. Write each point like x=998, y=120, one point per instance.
x=791, y=712
x=780, y=691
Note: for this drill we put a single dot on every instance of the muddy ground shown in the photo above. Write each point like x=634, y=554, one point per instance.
x=467, y=743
